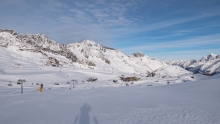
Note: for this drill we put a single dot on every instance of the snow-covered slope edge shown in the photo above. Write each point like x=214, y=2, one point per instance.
x=207, y=65
x=168, y=71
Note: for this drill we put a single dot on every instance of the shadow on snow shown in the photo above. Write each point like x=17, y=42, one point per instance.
x=84, y=116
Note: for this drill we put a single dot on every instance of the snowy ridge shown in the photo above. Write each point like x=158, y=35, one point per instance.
x=101, y=57
x=207, y=65
x=86, y=54
x=168, y=71
x=35, y=43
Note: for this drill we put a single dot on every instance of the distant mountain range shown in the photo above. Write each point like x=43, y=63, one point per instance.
x=207, y=65
x=90, y=55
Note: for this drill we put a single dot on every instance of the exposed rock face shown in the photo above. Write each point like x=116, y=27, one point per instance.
x=138, y=54
x=53, y=61
x=106, y=60
x=90, y=63
x=14, y=33
x=90, y=49
x=71, y=56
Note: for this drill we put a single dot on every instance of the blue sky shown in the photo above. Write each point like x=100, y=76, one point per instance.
x=163, y=29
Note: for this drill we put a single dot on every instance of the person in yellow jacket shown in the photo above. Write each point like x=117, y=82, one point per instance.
x=41, y=88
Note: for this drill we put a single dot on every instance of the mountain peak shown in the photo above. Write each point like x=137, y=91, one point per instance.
x=13, y=32
x=88, y=42
x=211, y=54
x=138, y=54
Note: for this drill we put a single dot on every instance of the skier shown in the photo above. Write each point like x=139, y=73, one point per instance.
x=41, y=87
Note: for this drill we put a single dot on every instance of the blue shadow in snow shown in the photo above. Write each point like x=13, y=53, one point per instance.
x=84, y=115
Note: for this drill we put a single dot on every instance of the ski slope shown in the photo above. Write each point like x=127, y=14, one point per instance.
x=182, y=103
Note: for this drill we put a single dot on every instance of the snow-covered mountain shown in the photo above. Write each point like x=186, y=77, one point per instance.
x=101, y=57
x=41, y=50
x=34, y=43
x=207, y=65
x=168, y=71
x=87, y=53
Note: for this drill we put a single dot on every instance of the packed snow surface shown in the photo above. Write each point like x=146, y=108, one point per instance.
x=182, y=103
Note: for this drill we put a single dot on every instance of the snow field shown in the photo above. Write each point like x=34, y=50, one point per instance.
x=184, y=103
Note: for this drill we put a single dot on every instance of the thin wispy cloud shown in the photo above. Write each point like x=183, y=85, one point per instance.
x=172, y=22
x=185, y=54
x=100, y=1
x=11, y=2
x=113, y=15
x=190, y=42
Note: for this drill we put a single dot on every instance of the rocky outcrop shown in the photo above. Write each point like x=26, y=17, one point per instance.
x=35, y=43
x=138, y=54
